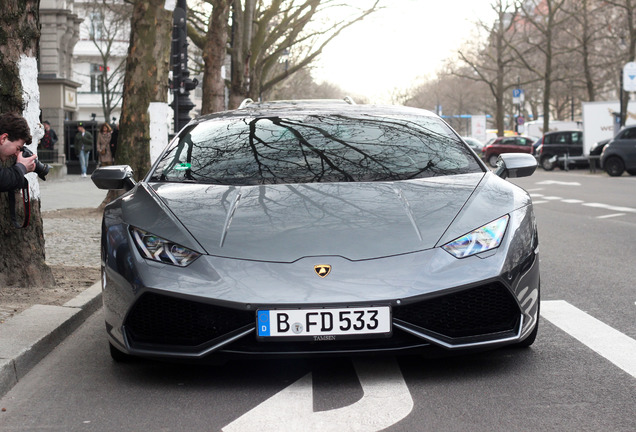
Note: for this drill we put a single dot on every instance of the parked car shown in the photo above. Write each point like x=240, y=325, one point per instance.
x=598, y=147
x=283, y=229
x=561, y=144
x=474, y=144
x=514, y=144
x=619, y=155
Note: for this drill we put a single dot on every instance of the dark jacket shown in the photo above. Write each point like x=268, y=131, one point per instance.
x=85, y=141
x=12, y=178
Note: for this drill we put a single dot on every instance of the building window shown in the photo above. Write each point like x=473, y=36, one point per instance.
x=97, y=78
x=96, y=25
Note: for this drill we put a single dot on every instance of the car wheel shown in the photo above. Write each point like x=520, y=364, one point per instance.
x=119, y=356
x=546, y=164
x=492, y=160
x=631, y=172
x=614, y=166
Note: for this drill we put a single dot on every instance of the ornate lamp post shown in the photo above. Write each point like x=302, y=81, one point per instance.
x=181, y=82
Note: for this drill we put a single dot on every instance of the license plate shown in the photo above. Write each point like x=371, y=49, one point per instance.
x=324, y=324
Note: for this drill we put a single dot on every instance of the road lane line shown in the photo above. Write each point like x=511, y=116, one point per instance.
x=610, y=207
x=610, y=215
x=601, y=338
x=572, y=201
x=554, y=182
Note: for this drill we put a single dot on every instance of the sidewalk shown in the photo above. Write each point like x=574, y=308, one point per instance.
x=28, y=337
x=71, y=191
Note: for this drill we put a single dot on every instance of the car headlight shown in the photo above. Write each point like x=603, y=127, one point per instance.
x=480, y=240
x=158, y=249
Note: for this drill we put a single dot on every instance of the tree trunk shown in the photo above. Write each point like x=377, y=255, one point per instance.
x=22, y=250
x=146, y=81
x=240, y=53
x=214, y=58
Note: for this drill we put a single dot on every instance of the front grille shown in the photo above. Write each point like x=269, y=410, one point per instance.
x=473, y=312
x=169, y=321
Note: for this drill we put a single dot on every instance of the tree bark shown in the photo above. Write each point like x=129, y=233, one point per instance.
x=214, y=58
x=146, y=81
x=22, y=250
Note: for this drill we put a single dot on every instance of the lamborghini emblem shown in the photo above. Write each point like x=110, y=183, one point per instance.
x=322, y=270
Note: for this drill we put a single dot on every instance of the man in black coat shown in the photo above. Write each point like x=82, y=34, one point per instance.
x=14, y=134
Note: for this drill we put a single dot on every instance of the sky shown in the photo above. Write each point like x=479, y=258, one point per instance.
x=399, y=45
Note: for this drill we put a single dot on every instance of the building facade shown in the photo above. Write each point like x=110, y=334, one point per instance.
x=58, y=90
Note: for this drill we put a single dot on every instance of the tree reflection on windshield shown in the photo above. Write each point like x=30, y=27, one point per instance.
x=314, y=149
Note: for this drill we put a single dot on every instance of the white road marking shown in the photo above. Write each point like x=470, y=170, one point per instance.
x=538, y=202
x=534, y=189
x=552, y=198
x=536, y=195
x=610, y=216
x=601, y=338
x=385, y=402
x=554, y=182
x=572, y=201
x=610, y=207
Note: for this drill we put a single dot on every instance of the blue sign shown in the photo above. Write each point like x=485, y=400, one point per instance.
x=263, y=323
x=629, y=77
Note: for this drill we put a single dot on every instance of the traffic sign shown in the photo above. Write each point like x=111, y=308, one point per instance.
x=629, y=77
x=517, y=96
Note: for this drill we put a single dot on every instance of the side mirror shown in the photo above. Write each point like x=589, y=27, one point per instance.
x=114, y=177
x=515, y=165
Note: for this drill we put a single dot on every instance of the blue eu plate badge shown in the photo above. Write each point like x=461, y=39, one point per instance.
x=263, y=323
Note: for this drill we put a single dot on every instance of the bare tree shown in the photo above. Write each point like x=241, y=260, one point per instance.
x=109, y=29
x=264, y=33
x=494, y=62
x=209, y=32
x=22, y=251
x=627, y=33
x=454, y=94
x=542, y=20
x=146, y=81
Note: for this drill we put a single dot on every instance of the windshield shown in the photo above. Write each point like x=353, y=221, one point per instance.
x=314, y=148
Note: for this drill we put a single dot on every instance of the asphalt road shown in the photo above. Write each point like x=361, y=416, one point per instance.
x=579, y=375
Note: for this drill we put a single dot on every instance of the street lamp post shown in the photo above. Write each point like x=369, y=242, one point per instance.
x=181, y=82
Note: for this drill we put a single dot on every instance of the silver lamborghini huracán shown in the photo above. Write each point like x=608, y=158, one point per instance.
x=318, y=227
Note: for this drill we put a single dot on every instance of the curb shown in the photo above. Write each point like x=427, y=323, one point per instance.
x=29, y=336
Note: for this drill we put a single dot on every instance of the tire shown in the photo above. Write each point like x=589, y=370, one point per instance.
x=546, y=164
x=631, y=172
x=492, y=160
x=119, y=356
x=614, y=166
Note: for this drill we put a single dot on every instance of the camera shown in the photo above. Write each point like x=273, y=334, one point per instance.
x=41, y=169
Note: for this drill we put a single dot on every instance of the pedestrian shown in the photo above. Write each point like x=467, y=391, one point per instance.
x=50, y=137
x=103, y=145
x=84, y=143
x=14, y=134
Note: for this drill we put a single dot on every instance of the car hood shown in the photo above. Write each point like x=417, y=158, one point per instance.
x=357, y=221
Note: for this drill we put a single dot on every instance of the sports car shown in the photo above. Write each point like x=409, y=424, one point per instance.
x=318, y=227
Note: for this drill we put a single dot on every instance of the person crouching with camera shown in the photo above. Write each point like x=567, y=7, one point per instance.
x=14, y=134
